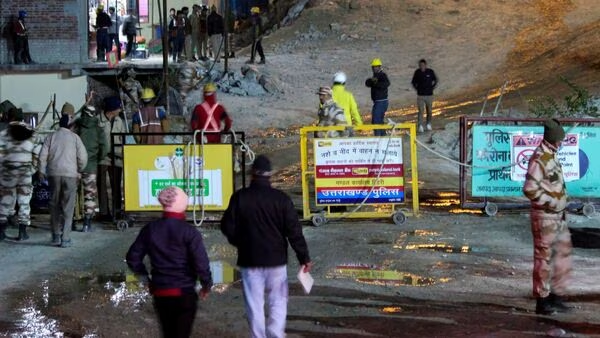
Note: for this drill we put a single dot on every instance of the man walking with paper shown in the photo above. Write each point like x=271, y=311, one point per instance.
x=259, y=222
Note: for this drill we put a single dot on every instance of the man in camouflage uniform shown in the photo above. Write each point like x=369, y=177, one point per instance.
x=545, y=187
x=330, y=114
x=131, y=92
x=93, y=138
x=18, y=162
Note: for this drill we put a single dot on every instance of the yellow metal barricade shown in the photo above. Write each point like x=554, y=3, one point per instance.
x=349, y=173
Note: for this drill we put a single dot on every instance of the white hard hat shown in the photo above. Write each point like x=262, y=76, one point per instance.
x=339, y=77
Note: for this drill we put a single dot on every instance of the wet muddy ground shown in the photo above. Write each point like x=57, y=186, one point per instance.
x=448, y=273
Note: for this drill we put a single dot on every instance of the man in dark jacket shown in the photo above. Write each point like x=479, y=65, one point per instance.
x=215, y=28
x=424, y=81
x=94, y=141
x=379, y=84
x=103, y=23
x=178, y=260
x=130, y=30
x=259, y=222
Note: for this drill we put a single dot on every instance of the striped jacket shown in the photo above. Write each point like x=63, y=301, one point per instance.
x=19, y=152
x=544, y=182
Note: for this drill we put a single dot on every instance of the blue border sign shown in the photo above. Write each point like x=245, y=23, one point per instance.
x=501, y=153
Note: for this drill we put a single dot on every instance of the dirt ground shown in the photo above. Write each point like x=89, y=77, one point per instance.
x=448, y=273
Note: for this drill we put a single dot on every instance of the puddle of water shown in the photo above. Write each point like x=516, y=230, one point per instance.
x=465, y=211
x=424, y=233
x=224, y=275
x=442, y=247
x=375, y=275
x=33, y=322
x=391, y=309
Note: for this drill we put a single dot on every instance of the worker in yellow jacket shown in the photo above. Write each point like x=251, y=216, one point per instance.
x=345, y=100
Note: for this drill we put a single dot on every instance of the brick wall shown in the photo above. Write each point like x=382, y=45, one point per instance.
x=57, y=30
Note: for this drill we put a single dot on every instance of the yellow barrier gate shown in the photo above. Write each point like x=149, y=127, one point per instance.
x=358, y=171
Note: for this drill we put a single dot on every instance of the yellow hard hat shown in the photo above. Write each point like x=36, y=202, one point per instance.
x=376, y=62
x=255, y=10
x=210, y=88
x=148, y=94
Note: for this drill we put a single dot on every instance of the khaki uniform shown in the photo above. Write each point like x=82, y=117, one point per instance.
x=545, y=188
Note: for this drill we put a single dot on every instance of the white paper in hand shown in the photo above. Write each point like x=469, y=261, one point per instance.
x=306, y=280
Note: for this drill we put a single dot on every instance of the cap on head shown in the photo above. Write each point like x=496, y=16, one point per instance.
x=148, y=94
x=15, y=114
x=376, y=62
x=21, y=124
x=553, y=131
x=68, y=109
x=262, y=166
x=213, y=8
x=339, y=77
x=325, y=91
x=255, y=10
x=112, y=103
x=22, y=14
x=173, y=199
x=89, y=110
x=210, y=88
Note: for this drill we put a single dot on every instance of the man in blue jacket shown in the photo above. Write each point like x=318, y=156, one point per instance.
x=260, y=222
x=178, y=260
x=424, y=81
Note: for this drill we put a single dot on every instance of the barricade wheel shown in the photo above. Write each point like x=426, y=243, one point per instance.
x=398, y=218
x=318, y=220
x=588, y=209
x=491, y=209
x=122, y=225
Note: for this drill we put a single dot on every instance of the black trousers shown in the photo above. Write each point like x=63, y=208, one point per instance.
x=115, y=178
x=257, y=47
x=176, y=314
x=22, y=50
x=130, y=39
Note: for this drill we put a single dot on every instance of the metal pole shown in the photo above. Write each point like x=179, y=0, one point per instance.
x=226, y=14
x=165, y=48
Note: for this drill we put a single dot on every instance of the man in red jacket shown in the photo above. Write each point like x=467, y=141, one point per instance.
x=208, y=116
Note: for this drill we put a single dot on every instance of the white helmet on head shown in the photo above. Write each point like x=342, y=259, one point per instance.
x=339, y=77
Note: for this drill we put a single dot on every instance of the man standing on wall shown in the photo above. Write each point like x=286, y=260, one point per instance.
x=102, y=25
x=545, y=188
x=21, y=40
x=130, y=30
x=379, y=84
x=113, y=33
x=424, y=81
x=260, y=222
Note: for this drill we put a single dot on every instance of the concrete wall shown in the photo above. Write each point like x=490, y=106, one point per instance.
x=57, y=30
x=32, y=92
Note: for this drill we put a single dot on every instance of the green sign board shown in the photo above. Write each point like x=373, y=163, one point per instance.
x=158, y=185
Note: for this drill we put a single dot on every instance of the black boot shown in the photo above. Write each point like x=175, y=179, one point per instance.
x=87, y=224
x=2, y=231
x=23, y=232
x=544, y=306
x=558, y=303
x=56, y=241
